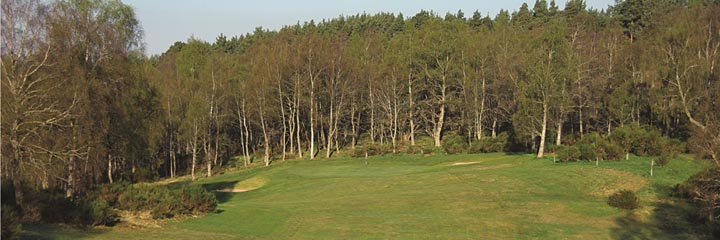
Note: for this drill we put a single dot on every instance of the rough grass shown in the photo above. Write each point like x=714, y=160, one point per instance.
x=499, y=196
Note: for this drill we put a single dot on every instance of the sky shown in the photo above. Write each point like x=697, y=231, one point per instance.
x=169, y=21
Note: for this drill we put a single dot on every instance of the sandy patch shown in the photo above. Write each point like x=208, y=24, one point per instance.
x=244, y=186
x=234, y=190
x=464, y=163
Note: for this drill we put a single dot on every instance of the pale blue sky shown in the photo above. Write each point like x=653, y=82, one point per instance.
x=168, y=21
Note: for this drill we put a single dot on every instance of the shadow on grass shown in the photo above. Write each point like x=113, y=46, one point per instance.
x=178, y=184
x=517, y=153
x=221, y=196
x=671, y=218
x=56, y=231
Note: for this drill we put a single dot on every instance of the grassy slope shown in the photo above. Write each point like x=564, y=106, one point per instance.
x=501, y=196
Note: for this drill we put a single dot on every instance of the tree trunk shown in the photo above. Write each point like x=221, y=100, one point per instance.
x=372, y=114
x=312, y=119
x=328, y=147
x=479, y=114
x=17, y=185
x=173, y=162
x=297, y=117
x=282, y=114
x=353, y=139
x=395, y=121
x=441, y=116
x=194, y=151
x=266, y=138
x=207, y=159
x=558, y=140
x=580, y=113
x=110, y=168
x=438, y=127
x=541, y=149
x=70, y=190
x=411, y=110
x=246, y=144
x=494, y=127
x=217, y=143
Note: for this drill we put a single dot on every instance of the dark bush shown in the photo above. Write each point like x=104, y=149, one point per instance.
x=703, y=191
x=54, y=207
x=646, y=141
x=10, y=222
x=144, y=174
x=672, y=148
x=197, y=199
x=454, y=143
x=551, y=147
x=410, y=149
x=624, y=199
x=590, y=138
x=432, y=150
x=165, y=203
x=489, y=144
x=111, y=192
x=102, y=214
x=662, y=160
x=7, y=192
x=587, y=152
x=610, y=151
x=371, y=150
x=145, y=197
x=568, y=153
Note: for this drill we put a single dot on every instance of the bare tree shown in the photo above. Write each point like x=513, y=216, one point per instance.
x=35, y=106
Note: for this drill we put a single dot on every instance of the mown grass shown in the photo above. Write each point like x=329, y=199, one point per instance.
x=495, y=196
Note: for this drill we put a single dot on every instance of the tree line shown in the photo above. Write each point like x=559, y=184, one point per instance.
x=82, y=105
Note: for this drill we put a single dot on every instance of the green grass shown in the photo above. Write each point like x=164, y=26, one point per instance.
x=499, y=196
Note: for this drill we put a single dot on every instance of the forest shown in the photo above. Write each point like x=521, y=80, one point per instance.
x=83, y=105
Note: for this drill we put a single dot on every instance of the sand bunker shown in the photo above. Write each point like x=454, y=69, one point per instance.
x=244, y=186
x=235, y=190
x=464, y=163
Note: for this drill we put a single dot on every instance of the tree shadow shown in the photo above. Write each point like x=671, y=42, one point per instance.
x=671, y=218
x=222, y=197
x=37, y=231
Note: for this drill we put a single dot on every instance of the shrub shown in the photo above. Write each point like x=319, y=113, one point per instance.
x=489, y=144
x=568, y=153
x=551, y=147
x=646, y=141
x=610, y=151
x=371, y=150
x=102, y=214
x=662, y=160
x=144, y=174
x=410, y=149
x=7, y=192
x=672, y=148
x=10, y=222
x=454, y=143
x=111, y=192
x=197, y=199
x=587, y=152
x=703, y=191
x=432, y=150
x=165, y=203
x=54, y=207
x=624, y=199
